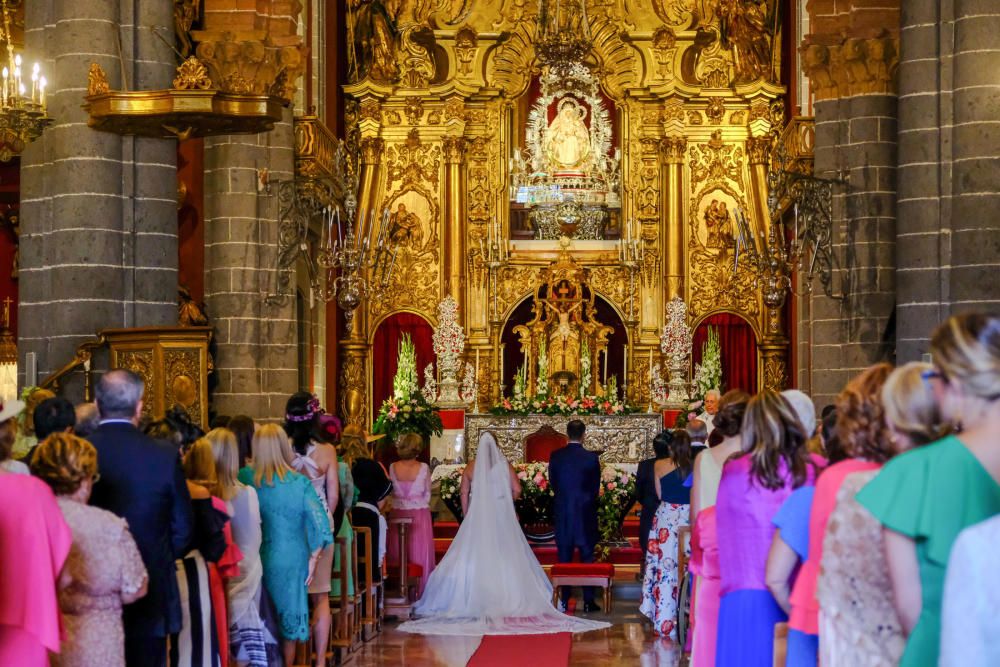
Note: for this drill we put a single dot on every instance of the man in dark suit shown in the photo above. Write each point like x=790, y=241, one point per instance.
x=575, y=476
x=142, y=482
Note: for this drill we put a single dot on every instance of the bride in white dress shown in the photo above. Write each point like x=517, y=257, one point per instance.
x=490, y=582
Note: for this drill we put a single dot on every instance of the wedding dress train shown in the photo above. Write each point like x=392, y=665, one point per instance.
x=490, y=582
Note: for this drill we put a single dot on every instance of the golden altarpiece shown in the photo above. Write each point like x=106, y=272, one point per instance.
x=637, y=128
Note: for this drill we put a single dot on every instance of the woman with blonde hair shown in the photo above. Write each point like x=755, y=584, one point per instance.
x=247, y=635
x=212, y=559
x=754, y=486
x=411, y=497
x=295, y=529
x=9, y=411
x=857, y=621
x=104, y=569
x=906, y=497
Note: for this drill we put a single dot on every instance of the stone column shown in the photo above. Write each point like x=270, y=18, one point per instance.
x=850, y=60
x=99, y=211
x=256, y=341
x=674, y=148
x=948, y=241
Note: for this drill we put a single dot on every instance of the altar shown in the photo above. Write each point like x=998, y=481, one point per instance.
x=619, y=438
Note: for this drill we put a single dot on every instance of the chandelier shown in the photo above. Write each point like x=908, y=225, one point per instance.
x=22, y=113
x=562, y=35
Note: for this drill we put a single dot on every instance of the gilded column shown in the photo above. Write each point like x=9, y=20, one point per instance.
x=454, y=220
x=371, y=157
x=672, y=216
x=758, y=152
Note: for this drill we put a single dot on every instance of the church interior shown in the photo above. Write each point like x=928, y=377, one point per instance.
x=461, y=218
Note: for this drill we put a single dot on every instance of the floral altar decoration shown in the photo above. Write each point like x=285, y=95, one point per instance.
x=407, y=410
x=707, y=376
x=616, y=497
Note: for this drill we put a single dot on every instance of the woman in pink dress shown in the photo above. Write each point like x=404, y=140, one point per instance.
x=411, y=497
x=34, y=544
x=753, y=487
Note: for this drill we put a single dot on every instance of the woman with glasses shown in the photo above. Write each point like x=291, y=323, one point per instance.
x=104, y=570
x=925, y=497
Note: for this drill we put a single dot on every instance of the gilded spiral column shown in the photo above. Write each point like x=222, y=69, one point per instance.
x=454, y=213
x=672, y=217
x=774, y=344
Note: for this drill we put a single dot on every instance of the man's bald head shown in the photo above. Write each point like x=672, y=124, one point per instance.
x=119, y=394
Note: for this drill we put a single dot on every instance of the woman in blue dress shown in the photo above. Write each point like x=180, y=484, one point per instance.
x=295, y=528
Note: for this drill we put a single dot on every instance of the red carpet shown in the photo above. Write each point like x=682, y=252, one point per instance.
x=523, y=650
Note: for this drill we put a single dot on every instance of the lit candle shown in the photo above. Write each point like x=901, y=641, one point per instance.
x=34, y=82
x=17, y=73
x=6, y=74
x=41, y=93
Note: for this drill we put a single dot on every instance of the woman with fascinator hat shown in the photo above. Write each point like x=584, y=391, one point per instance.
x=317, y=460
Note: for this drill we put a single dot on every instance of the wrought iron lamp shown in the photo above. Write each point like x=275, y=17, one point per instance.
x=22, y=114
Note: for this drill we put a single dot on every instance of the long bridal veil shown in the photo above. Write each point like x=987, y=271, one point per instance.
x=490, y=582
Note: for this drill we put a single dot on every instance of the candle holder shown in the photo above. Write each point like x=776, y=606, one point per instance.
x=23, y=117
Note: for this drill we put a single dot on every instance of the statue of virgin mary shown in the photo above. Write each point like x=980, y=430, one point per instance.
x=567, y=140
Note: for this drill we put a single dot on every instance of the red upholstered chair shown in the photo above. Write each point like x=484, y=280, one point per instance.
x=539, y=445
x=601, y=575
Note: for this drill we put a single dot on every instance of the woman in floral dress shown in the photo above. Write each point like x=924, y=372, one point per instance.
x=660, y=587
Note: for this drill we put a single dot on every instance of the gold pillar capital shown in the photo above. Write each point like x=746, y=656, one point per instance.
x=454, y=149
x=371, y=150
x=673, y=148
x=759, y=149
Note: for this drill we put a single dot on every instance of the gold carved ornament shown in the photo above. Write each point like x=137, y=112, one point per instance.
x=412, y=177
x=141, y=362
x=183, y=376
x=627, y=439
x=717, y=189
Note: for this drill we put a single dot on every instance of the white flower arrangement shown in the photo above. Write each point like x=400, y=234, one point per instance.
x=708, y=374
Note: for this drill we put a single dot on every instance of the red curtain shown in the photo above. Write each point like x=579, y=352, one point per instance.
x=738, y=345
x=385, y=351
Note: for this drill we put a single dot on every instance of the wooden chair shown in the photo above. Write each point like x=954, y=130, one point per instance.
x=343, y=609
x=397, y=587
x=371, y=617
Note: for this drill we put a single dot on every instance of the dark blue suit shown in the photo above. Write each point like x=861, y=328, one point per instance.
x=142, y=482
x=575, y=476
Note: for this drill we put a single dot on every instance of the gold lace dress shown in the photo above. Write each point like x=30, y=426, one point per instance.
x=105, y=565
x=858, y=623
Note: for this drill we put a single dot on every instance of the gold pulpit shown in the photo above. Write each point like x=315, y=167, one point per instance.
x=172, y=361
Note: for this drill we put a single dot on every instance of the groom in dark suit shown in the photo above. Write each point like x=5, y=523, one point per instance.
x=575, y=476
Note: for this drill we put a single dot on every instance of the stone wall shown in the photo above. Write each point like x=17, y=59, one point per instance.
x=256, y=342
x=948, y=242
x=850, y=59
x=99, y=211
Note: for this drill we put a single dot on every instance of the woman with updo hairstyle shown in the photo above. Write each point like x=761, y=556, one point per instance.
x=723, y=443
x=317, y=460
x=755, y=484
x=925, y=497
x=858, y=623
x=801, y=522
x=411, y=497
x=104, y=569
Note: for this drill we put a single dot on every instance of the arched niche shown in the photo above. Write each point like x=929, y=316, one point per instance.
x=605, y=313
x=738, y=344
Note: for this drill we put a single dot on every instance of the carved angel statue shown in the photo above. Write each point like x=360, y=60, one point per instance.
x=748, y=28
x=371, y=37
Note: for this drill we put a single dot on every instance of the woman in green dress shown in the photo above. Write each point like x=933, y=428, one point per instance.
x=295, y=528
x=925, y=497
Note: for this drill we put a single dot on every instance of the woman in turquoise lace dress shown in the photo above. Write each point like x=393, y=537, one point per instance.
x=295, y=529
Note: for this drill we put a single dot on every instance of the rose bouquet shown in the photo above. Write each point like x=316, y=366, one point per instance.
x=407, y=410
x=450, y=490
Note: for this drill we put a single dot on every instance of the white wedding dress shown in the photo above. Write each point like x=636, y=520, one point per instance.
x=490, y=582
